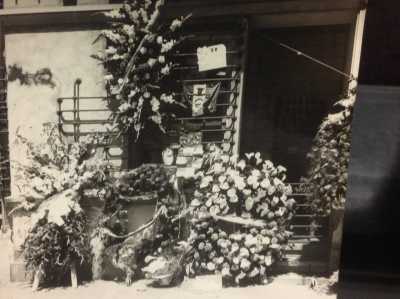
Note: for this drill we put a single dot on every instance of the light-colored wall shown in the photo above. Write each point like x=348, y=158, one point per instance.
x=67, y=55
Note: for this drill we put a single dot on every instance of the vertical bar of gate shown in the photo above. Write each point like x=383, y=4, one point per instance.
x=59, y=100
x=74, y=112
x=76, y=109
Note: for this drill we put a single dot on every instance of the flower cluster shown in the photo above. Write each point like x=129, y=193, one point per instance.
x=242, y=257
x=146, y=178
x=250, y=187
x=251, y=194
x=57, y=165
x=329, y=158
x=138, y=59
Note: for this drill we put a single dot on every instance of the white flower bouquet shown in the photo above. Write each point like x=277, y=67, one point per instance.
x=138, y=60
x=242, y=211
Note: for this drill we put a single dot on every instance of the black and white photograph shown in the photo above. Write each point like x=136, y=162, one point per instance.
x=181, y=149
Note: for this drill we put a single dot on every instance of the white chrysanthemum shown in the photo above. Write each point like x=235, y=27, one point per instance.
x=224, y=186
x=124, y=107
x=166, y=47
x=253, y=181
x=151, y=62
x=167, y=98
x=156, y=119
x=241, y=164
x=129, y=30
x=265, y=183
x=268, y=165
x=165, y=70
x=256, y=173
x=155, y=104
x=215, y=189
x=231, y=192
x=246, y=192
x=223, y=202
x=222, y=178
x=217, y=168
x=280, y=169
x=249, y=155
x=206, y=181
x=271, y=190
x=161, y=59
x=277, y=182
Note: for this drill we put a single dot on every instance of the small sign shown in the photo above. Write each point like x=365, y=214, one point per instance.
x=185, y=172
x=199, y=98
x=211, y=58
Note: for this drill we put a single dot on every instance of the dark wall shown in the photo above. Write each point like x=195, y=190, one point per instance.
x=380, y=61
x=372, y=224
x=287, y=96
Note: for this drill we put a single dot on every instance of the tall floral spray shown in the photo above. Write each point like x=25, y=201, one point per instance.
x=329, y=158
x=138, y=59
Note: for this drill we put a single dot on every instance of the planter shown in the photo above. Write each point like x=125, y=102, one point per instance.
x=93, y=208
x=21, y=224
x=335, y=237
x=139, y=214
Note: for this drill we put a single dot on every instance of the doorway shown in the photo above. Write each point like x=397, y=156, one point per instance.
x=286, y=95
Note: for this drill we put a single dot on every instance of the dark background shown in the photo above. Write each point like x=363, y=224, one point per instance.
x=370, y=253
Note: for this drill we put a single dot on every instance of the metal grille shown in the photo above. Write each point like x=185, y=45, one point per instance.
x=77, y=118
x=220, y=127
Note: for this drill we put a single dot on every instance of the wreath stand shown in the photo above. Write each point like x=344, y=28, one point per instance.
x=37, y=278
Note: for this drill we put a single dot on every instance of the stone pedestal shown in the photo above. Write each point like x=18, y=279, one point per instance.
x=5, y=256
x=20, y=223
x=93, y=208
x=336, y=236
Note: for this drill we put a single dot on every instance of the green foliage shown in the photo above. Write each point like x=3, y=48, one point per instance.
x=329, y=159
x=139, y=59
x=51, y=248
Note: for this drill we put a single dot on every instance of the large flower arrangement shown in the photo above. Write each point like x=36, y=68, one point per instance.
x=56, y=165
x=252, y=195
x=53, y=178
x=147, y=182
x=330, y=157
x=138, y=60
